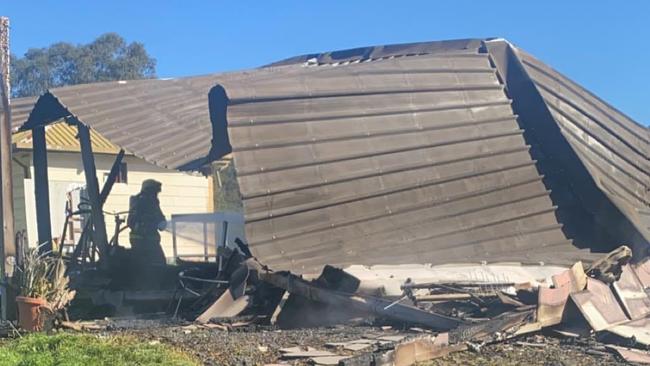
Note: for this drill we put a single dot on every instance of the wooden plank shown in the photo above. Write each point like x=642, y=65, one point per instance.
x=380, y=307
x=6, y=176
x=99, y=232
x=7, y=238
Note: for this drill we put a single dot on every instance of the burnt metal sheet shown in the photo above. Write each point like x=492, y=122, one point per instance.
x=611, y=147
x=642, y=271
x=20, y=108
x=414, y=159
x=165, y=122
x=599, y=306
x=631, y=293
x=552, y=301
x=574, y=278
x=636, y=330
x=378, y=52
x=550, y=305
x=417, y=153
x=631, y=355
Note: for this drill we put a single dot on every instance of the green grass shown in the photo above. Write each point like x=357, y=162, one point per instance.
x=86, y=350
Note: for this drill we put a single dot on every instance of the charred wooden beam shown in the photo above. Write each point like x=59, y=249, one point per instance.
x=92, y=186
x=41, y=189
x=443, y=297
x=501, y=327
x=376, y=306
x=112, y=177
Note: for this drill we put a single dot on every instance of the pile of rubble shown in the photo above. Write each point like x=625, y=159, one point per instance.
x=423, y=317
x=607, y=300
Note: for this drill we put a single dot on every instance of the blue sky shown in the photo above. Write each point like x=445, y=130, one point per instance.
x=601, y=44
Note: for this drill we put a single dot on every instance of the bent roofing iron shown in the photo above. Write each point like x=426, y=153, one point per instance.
x=432, y=152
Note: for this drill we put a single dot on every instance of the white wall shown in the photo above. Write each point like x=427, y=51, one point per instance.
x=181, y=193
x=18, y=174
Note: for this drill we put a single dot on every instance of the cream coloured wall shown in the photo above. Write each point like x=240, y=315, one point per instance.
x=181, y=193
x=18, y=173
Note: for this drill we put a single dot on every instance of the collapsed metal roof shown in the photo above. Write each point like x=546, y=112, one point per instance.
x=421, y=153
x=165, y=122
x=432, y=153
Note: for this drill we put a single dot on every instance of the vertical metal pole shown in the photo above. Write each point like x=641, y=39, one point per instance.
x=41, y=188
x=92, y=185
x=205, y=241
x=224, y=233
x=7, y=241
x=174, y=244
x=216, y=233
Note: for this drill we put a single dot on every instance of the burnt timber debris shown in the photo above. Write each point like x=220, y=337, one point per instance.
x=430, y=321
x=475, y=152
x=489, y=312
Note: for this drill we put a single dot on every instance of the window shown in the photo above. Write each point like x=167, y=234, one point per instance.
x=122, y=174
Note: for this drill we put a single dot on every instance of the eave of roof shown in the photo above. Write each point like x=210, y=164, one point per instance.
x=62, y=137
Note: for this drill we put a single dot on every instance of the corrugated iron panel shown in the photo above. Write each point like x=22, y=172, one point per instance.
x=392, y=154
x=631, y=294
x=20, y=108
x=62, y=137
x=455, y=46
x=598, y=305
x=404, y=160
x=165, y=122
x=613, y=147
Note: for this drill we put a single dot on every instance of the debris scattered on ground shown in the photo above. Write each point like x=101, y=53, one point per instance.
x=601, y=314
x=608, y=298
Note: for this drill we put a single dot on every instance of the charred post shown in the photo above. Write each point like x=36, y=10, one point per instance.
x=41, y=188
x=99, y=226
x=112, y=177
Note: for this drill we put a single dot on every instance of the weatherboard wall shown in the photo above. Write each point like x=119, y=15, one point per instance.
x=182, y=193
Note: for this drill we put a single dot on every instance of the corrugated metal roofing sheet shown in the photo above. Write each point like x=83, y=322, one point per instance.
x=402, y=160
x=595, y=159
x=20, y=108
x=378, y=52
x=391, y=154
x=612, y=147
x=63, y=137
x=165, y=122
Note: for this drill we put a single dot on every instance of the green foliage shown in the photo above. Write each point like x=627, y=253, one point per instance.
x=107, y=58
x=227, y=197
x=42, y=275
x=32, y=274
x=81, y=350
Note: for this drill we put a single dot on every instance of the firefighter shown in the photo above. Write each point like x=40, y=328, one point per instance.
x=145, y=220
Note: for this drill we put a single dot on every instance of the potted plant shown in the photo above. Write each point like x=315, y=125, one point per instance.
x=42, y=287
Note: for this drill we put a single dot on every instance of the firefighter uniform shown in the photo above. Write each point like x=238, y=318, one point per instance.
x=145, y=220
